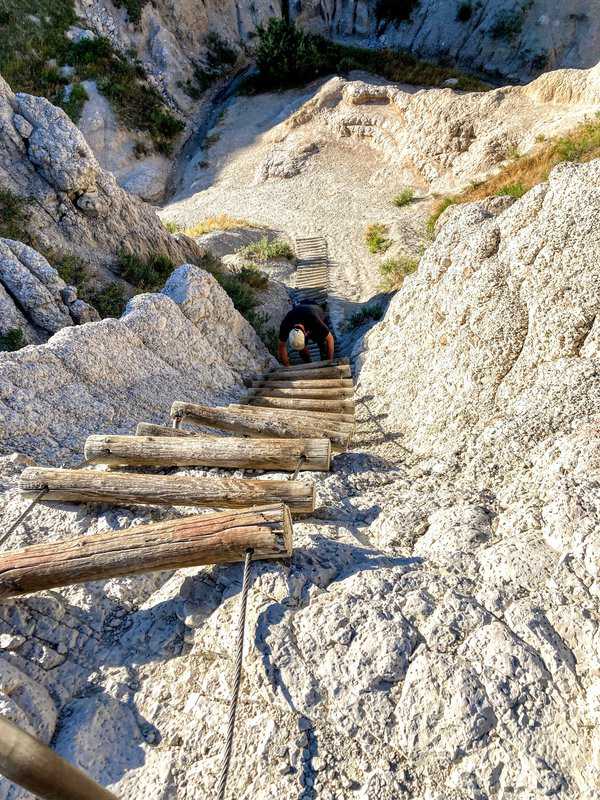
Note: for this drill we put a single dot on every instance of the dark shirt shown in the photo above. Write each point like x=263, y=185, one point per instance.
x=311, y=317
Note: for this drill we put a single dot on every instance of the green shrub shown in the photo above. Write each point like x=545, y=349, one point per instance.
x=137, y=104
x=12, y=340
x=72, y=271
x=75, y=102
x=110, y=301
x=286, y=55
x=376, y=238
x=149, y=274
x=372, y=311
x=508, y=24
x=133, y=7
x=394, y=270
x=242, y=295
x=465, y=12
x=405, y=197
x=395, y=10
x=253, y=277
x=437, y=213
x=512, y=190
x=13, y=217
x=266, y=249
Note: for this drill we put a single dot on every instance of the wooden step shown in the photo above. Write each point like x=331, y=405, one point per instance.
x=306, y=394
x=286, y=413
x=341, y=383
x=324, y=405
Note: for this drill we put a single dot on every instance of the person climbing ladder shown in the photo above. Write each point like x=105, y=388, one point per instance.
x=305, y=321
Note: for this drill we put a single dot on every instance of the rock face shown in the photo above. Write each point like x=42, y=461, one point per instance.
x=33, y=297
x=516, y=40
x=74, y=207
x=435, y=633
x=109, y=375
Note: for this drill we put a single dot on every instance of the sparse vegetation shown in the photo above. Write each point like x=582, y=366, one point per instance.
x=395, y=10
x=134, y=8
x=508, y=24
x=464, y=12
x=394, y=271
x=110, y=301
x=219, y=57
x=171, y=226
x=288, y=56
x=376, y=238
x=254, y=277
x=13, y=216
x=137, y=104
x=372, y=311
x=149, y=274
x=220, y=222
x=512, y=190
x=12, y=340
x=267, y=249
x=439, y=209
x=405, y=197
x=75, y=101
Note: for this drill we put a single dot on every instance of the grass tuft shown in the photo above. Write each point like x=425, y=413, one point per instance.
x=171, y=226
x=13, y=339
x=266, y=250
x=376, y=238
x=220, y=222
x=394, y=270
x=405, y=197
x=75, y=102
x=438, y=210
x=149, y=274
x=254, y=277
x=512, y=190
x=13, y=217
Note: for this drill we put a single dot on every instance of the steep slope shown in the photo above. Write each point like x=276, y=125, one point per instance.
x=74, y=207
x=435, y=635
x=514, y=39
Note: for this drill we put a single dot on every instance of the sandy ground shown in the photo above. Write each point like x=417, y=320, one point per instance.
x=341, y=189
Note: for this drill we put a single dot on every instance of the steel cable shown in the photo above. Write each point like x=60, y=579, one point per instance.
x=237, y=679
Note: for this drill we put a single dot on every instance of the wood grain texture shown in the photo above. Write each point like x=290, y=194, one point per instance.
x=336, y=362
x=336, y=416
x=287, y=374
x=206, y=451
x=321, y=383
x=192, y=541
x=304, y=394
x=149, y=429
x=130, y=488
x=29, y=763
x=243, y=420
x=324, y=405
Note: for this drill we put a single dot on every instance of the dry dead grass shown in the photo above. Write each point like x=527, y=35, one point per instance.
x=580, y=145
x=221, y=222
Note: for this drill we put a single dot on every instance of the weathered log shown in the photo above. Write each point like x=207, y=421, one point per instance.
x=303, y=394
x=129, y=488
x=244, y=420
x=149, y=429
x=288, y=374
x=34, y=766
x=210, y=451
x=301, y=404
x=327, y=383
x=336, y=362
x=335, y=416
x=209, y=539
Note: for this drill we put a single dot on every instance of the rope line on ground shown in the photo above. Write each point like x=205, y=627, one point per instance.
x=237, y=679
x=25, y=513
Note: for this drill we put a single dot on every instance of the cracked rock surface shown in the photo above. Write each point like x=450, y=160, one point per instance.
x=435, y=635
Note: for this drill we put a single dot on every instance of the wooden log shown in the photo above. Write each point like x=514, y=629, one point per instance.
x=38, y=769
x=192, y=541
x=325, y=405
x=336, y=362
x=244, y=420
x=327, y=383
x=149, y=429
x=336, y=416
x=129, y=488
x=289, y=374
x=303, y=394
x=210, y=451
